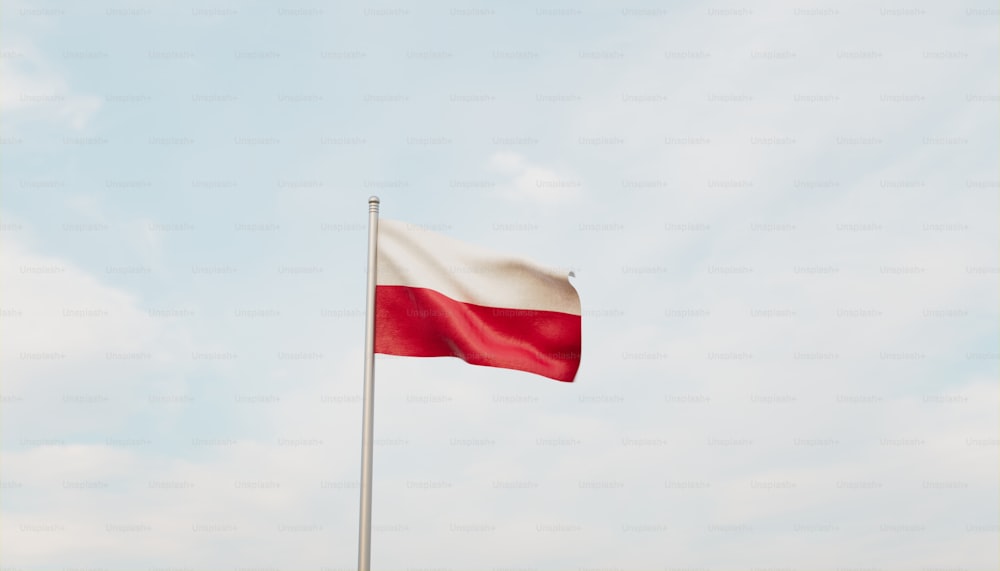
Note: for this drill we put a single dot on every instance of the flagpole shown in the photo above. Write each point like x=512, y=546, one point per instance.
x=365, y=523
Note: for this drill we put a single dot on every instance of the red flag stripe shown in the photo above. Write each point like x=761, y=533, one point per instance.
x=420, y=322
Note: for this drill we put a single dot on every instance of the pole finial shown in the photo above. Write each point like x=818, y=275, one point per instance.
x=373, y=199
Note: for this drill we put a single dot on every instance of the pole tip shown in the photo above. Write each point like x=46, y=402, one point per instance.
x=372, y=199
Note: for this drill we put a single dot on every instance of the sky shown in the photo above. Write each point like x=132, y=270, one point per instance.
x=781, y=218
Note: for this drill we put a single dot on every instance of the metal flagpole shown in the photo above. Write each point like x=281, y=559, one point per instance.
x=365, y=524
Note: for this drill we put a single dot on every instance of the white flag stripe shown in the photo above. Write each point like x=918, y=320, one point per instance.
x=411, y=256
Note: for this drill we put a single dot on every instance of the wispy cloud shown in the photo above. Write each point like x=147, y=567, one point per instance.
x=34, y=90
x=532, y=183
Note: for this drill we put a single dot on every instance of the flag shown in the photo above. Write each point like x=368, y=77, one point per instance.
x=436, y=296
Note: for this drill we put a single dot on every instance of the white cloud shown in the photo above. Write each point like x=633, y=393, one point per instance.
x=33, y=90
x=93, y=466
x=64, y=317
x=532, y=183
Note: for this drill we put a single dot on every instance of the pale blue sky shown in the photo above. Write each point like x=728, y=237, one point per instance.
x=783, y=224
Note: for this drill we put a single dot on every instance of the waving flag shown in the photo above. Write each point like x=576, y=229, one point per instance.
x=436, y=296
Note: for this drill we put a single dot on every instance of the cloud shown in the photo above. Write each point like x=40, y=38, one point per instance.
x=101, y=454
x=81, y=359
x=33, y=90
x=533, y=183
